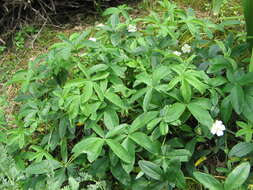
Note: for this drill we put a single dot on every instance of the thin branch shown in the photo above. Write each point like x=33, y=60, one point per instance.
x=36, y=36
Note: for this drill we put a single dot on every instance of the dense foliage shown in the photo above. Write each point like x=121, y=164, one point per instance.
x=144, y=103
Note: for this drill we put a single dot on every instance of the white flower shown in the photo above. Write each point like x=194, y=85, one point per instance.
x=100, y=25
x=177, y=53
x=93, y=39
x=218, y=128
x=186, y=48
x=131, y=28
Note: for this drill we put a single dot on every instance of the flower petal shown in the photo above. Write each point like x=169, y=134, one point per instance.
x=213, y=130
x=219, y=133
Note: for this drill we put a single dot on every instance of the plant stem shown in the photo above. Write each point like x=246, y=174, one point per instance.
x=248, y=13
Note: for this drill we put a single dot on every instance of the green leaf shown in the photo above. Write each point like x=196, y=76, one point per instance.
x=84, y=70
x=115, y=99
x=97, y=68
x=159, y=73
x=208, y=181
x=74, y=107
x=115, y=39
x=121, y=175
x=64, y=150
x=226, y=108
x=73, y=183
x=201, y=114
x=137, y=95
x=88, y=91
x=75, y=83
x=175, y=175
x=98, y=91
x=89, y=44
x=129, y=145
x=79, y=38
x=181, y=155
x=248, y=108
x=44, y=166
x=114, y=20
x=142, y=120
x=246, y=79
x=110, y=11
x=63, y=127
x=173, y=83
x=186, y=91
x=150, y=169
x=251, y=62
x=237, y=98
x=119, y=150
x=144, y=141
x=147, y=99
x=100, y=76
x=96, y=128
x=196, y=83
x=241, y=149
x=118, y=130
x=174, y=111
x=153, y=123
x=238, y=176
x=164, y=128
x=91, y=145
x=65, y=52
x=111, y=119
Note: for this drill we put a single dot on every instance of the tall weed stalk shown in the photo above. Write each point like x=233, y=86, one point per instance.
x=248, y=13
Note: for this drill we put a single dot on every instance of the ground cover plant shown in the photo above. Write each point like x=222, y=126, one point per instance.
x=160, y=102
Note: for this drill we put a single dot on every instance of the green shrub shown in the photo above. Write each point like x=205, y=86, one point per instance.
x=136, y=104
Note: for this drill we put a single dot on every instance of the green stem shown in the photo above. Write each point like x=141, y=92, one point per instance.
x=248, y=13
